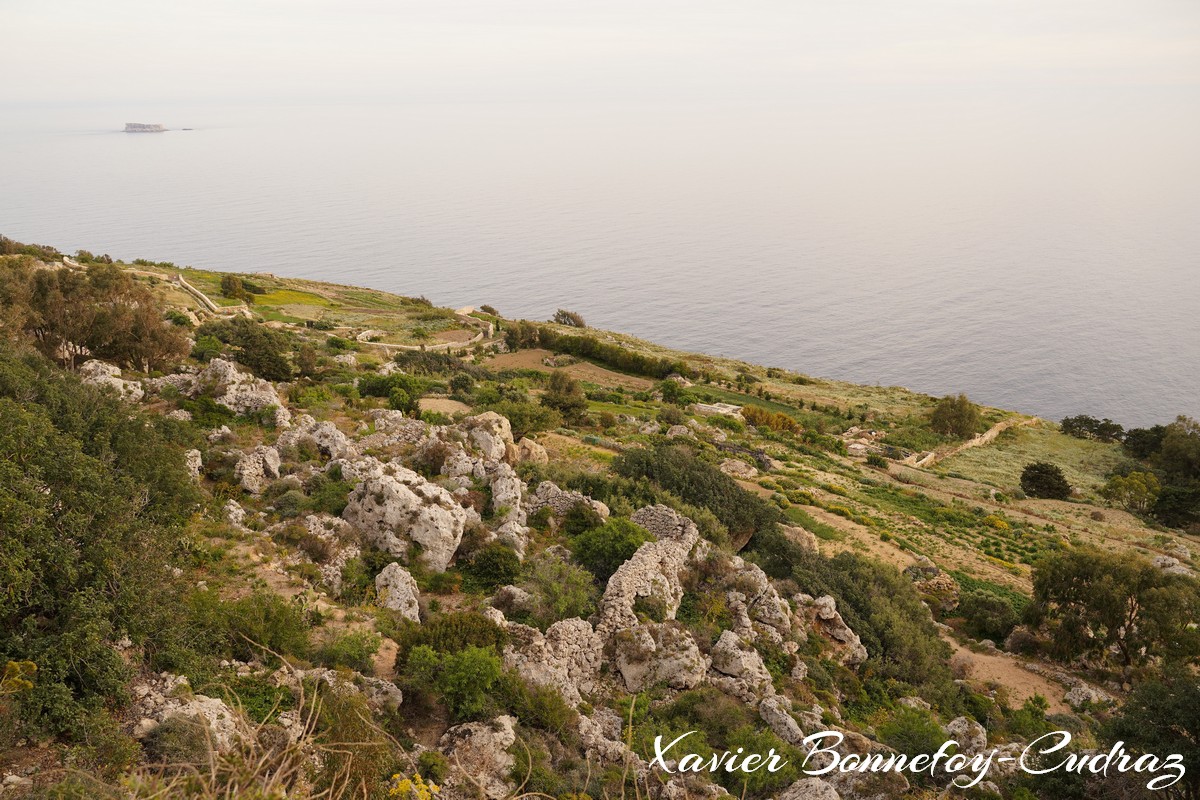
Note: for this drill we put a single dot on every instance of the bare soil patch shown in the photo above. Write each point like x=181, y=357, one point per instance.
x=443, y=405
x=583, y=370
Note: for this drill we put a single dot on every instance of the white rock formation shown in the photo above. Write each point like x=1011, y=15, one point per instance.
x=165, y=696
x=257, y=468
x=397, y=508
x=325, y=436
x=194, y=462
x=489, y=433
x=529, y=450
x=397, y=589
x=240, y=392
x=738, y=669
x=567, y=658
x=559, y=500
x=776, y=711
x=657, y=653
x=480, y=750
x=652, y=573
x=98, y=373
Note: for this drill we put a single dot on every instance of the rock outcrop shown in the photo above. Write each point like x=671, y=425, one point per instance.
x=168, y=696
x=530, y=451
x=652, y=575
x=396, y=508
x=657, y=653
x=738, y=669
x=566, y=658
x=240, y=392
x=824, y=617
x=490, y=434
x=99, y=373
x=560, y=501
x=324, y=436
x=478, y=753
x=397, y=589
x=254, y=470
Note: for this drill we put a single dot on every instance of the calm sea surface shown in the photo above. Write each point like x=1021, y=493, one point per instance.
x=1048, y=268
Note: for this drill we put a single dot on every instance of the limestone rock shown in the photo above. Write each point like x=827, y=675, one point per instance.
x=479, y=749
x=970, y=735
x=98, y=373
x=559, y=500
x=507, y=490
x=567, y=658
x=652, y=574
x=1081, y=694
x=257, y=468
x=734, y=658
x=776, y=711
x=736, y=468
x=676, y=431
x=647, y=655
x=489, y=433
x=824, y=616
x=194, y=461
x=397, y=508
x=325, y=436
x=397, y=590
x=164, y=696
x=240, y=392
x=530, y=451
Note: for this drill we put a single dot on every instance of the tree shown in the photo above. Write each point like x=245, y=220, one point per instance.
x=1042, y=479
x=233, y=288
x=565, y=395
x=1092, y=601
x=564, y=317
x=306, y=360
x=101, y=311
x=1162, y=715
x=1179, y=455
x=1136, y=492
x=1085, y=427
x=603, y=550
x=259, y=348
x=1142, y=443
x=955, y=416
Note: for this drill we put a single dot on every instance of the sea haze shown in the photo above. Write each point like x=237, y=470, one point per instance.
x=1034, y=255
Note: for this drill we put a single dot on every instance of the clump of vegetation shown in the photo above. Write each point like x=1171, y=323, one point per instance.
x=956, y=416
x=564, y=317
x=602, y=550
x=1043, y=479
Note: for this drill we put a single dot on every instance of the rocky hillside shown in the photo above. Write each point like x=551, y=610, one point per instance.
x=320, y=541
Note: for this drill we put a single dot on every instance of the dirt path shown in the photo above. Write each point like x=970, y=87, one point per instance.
x=1006, y=671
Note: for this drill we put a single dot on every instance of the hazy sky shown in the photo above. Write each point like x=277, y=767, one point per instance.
x=264, y=51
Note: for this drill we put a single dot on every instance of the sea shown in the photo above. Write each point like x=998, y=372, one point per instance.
x=1039, y=258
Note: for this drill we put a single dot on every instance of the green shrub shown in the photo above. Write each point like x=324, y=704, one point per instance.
x=580, y=518
x=432, y=766
x=351, y=649
x=602, y=550
x=448, y=633
x=987, y=615
x=1042, y=479
x=559, y=590
x=955, y=416
x=492, y=565
x=537, y=706
x=464, y=679
x=242, y=628
x=912, y=731
x=178, y=739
